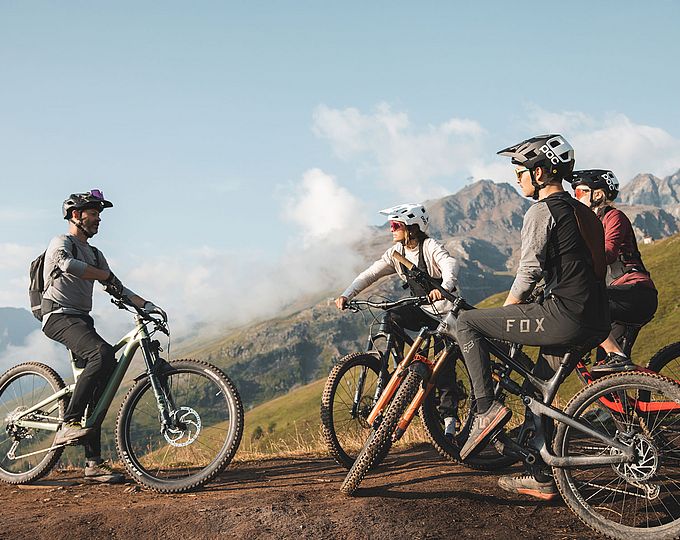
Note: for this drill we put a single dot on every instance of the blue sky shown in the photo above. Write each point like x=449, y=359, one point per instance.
x=238, y=138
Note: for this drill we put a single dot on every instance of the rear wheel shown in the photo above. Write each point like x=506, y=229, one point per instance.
x=380, y=440
x=638, y=500
x=202, y=438
x=20, y=388
x=347, y=400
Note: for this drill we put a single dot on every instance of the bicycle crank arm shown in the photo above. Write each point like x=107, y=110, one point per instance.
x=507, y=447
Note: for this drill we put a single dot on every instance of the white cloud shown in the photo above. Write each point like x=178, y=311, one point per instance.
x=324, y=210
x=37, y=348
x=411, y=161
x=613, y=142
x=14, y=256
x=218, y=288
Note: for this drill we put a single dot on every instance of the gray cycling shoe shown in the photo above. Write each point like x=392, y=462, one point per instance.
x=70, y=433
x=484, y=426
x=526, y=484
x=102, y=472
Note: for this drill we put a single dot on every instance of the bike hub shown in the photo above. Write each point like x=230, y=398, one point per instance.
x=646, y=461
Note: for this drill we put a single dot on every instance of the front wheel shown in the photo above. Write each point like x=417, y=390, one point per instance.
x=347, y=400
x=206, y=424
x=637, y=500
x=25, y=453
x=380, y=440
x=666, y=361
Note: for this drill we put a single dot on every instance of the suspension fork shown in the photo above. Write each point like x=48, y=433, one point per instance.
x=429, y=368
x=162, y=401
x=396, y=379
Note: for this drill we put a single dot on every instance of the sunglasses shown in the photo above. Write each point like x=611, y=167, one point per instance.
x=520, y=172
x=396, y=225
x=580, y=191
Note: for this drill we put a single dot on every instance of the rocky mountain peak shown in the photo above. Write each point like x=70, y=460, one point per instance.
x=647, y=189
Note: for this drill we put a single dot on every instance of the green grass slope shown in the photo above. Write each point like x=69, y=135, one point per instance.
x=290, y=422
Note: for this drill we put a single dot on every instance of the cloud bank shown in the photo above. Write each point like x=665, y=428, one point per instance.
x=214, y=288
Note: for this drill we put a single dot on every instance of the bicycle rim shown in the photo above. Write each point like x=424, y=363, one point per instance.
x=23, y=387
x=207, y=422
x=637, y=500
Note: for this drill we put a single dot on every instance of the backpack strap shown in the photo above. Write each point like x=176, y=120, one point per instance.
x=592, y=233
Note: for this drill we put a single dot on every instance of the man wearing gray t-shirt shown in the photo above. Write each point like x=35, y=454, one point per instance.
x=72, y=266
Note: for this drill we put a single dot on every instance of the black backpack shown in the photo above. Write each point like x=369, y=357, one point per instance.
x=37, y=285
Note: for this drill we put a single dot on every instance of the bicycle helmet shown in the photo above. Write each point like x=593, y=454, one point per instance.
x=81, y=201
x=597, y=179
x=408, y=214
x=551, y=152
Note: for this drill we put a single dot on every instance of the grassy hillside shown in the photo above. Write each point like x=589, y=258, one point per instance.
x=292, y=421
x=287, y=422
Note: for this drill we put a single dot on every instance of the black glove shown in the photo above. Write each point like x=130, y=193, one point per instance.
x=150, y=307
x=113, y=286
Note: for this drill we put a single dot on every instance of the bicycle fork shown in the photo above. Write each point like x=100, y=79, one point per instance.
x=395, y=381
x=163, y=403
x=430, y=371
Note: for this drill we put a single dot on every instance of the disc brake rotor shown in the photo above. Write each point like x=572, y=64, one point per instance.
x=364, y=409
x=646, y=461
x=185, y=427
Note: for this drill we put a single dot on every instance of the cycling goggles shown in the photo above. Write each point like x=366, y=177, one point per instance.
x=520, y=172
x=580, y=191
x=396, y=225
x=97, y=194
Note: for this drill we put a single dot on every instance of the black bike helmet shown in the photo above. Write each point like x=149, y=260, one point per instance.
x=551, y=152
x=81, y=201
x=597, y=179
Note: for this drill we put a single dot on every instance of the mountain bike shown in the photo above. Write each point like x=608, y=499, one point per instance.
x=178, y=426
x=356, y=383
x=615, y=455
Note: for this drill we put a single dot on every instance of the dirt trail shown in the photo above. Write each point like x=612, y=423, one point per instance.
x=416, y=495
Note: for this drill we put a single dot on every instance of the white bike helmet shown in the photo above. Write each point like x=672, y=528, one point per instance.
x=408, y=214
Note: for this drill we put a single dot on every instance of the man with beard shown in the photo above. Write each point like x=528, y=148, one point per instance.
x=72, y=266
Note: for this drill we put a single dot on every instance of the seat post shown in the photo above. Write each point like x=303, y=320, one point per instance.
x=566, y=366
x=76, y=370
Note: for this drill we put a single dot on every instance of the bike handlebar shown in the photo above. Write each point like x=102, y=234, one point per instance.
x=125, y=303
x=353, y=305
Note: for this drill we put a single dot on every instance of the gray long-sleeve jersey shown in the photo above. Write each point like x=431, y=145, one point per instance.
x=553, y=248
x=439, y=263
x=70, y=290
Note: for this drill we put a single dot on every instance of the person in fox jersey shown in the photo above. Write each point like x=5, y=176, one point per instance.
x=563, y=245
x=631, y=291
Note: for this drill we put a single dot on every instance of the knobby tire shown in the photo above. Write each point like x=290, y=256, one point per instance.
x=49, y=459
x=381, y=438
x=342, y=454
x=126, y=447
